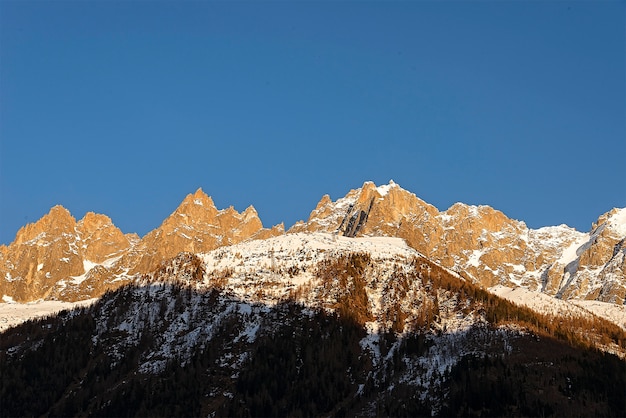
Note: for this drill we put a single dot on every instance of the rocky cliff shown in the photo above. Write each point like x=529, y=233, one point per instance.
x=59, y=258
x=196, y=226
x=485, y=244
x=55, y=250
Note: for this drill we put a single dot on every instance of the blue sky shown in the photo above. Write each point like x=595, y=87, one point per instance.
x=123, y=108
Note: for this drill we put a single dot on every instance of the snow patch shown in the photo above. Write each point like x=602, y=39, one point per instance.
x=474, y=258
x=617, y=222
x=12, y=314
x=384, y=189
x=571, y=253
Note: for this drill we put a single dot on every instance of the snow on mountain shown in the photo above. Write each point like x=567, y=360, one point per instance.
x=617, y=222
x=302, y=267
x=484, y=244
x=12, y=313
x=59, y=258
x=394, y=328
x=255, y=276
x=540, y=302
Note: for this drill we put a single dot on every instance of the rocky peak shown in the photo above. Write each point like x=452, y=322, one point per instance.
x=195, y=226
x=250, y=213
x=484, y=242
x=51, y=255
x=198, y=206
x=486, y=216
x=57, y=257
x=598, y=268
x=101, y=240
x=56, y=222
x=614, y=221
x=42, y=253
x=369, y=210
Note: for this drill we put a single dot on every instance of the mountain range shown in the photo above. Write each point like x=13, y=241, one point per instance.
x=60, y=258
x=377, y=304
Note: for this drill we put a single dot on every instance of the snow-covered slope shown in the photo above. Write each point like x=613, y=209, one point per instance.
x=287, y=267
x=545, y=304
x=12, y=313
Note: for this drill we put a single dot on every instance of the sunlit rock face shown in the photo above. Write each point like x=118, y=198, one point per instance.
x=485, y=244
x=101, y=240
x=59, y=258
x=598, y=270
x=195, y=226
x=55, y=249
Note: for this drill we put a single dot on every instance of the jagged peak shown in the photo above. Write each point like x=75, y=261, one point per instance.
x=481, y=213
x=473, y=210
x=250, y=212
x=57, y=215
x=368, y=185
x=385, y=188
x=58, y=218
x=615, y=220
x=199, y=198
x=324, y=201
x=96, y=218
x=229, y=211
x=279, y=227
x=59, y=211
x=385, y=191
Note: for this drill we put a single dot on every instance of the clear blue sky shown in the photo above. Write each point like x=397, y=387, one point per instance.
x=123, y=108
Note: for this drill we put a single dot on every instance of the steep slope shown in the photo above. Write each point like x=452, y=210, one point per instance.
x=56, y=249
x=484, y=243
x=595, y=267
x=310, y=324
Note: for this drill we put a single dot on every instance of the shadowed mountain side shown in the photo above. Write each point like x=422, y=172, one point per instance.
x=163, y=348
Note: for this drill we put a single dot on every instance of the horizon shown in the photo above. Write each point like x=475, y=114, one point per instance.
x=124, y=108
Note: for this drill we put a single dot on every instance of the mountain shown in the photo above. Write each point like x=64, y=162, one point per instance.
x=59, y=258
x=311, y=324
x=379, y=304
x=484, y=244
x=195, y=226
x=56, y=249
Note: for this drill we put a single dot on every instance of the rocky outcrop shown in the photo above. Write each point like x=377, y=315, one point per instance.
x=59, y=258
x=55, y=250
x=101, y=240
x=196, y=226
x=597, y=267
x=484, y=244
